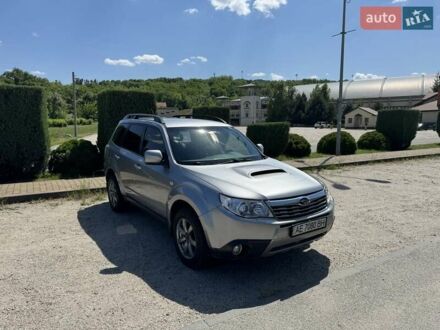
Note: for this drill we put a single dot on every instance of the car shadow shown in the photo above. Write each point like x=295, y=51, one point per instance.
x=139, y=243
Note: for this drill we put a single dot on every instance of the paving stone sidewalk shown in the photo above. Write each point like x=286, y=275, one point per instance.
x=18, y=192
x=25, y=191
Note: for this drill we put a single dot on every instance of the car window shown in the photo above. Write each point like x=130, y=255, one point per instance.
x=132, y=138
x=119, y=134
x=153, y=140
x=211, y=145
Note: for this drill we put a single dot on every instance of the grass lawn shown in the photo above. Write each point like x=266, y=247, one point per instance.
x=425, y=146
x=58, y=135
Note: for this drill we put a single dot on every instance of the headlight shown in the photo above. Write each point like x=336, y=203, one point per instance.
x=246, y=208
x=329, y=197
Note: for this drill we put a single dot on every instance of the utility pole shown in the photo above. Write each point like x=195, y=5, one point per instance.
x=341, y=82
x=341, y=79
x=75, y=128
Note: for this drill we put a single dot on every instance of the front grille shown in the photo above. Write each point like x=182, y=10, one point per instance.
x=291, y=209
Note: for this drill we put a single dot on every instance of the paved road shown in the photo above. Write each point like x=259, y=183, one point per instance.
x=400, y=290
x=314, y=135
x=75, y=264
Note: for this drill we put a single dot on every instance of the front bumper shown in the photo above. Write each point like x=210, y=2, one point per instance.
x=259, y=237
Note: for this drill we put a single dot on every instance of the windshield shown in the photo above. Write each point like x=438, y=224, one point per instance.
x=211, y=145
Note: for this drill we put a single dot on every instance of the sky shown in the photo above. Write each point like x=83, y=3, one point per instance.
x=265, y=39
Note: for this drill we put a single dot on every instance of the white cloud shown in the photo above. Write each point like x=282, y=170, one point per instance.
x=191, y=11
x=121, y=62
x=276, y=77
x=266, y=6
x=185, y=61
x=314, y=77
x=147, y=58
x=399, y=1
x=35, y=35
x=240, y=7
x=38, y=73
x=192, y=60
x=200, y=58
x=258, y=75
x=364, y=76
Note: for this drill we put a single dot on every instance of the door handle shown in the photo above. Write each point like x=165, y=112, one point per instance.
x=117, y=157
x=138, y=167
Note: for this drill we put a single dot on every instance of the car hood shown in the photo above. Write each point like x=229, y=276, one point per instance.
x=263, y=179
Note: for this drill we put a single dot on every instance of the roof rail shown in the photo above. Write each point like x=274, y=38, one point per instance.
x=156, y=118
x=213, y=118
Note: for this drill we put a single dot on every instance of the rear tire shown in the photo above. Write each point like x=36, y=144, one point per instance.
x=115, y=198
x=189, y=239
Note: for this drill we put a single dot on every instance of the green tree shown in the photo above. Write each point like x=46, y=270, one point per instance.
x=318, y=106
x=297, y=113
x=20, y=77
x=278, y=108
x=436, y=86
x=56, y=106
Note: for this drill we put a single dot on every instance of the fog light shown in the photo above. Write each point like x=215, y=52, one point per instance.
x=236, y=250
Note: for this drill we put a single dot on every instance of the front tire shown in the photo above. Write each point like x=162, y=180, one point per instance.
x=115, y=198
x=189, y=240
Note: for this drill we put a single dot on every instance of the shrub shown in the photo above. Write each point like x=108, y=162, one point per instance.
x=399, y=126
x=327, y=144
x=57, y=122
x=374, y=141
x=79, y=121
x=113, y=105
x=23, y=132
x=218, y=112
x=297, y=146
x=74, y=158
x=273, y=136
x=438, y=123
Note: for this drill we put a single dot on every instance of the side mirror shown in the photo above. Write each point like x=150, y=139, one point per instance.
x=153, y=157
x=260, y=147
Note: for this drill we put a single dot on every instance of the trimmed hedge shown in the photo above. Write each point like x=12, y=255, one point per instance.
x=57, y=122
x=74, y=158
x=373, y=141
x=218, y=112
x=113, y=105
x=273, y=136
x=24, y=142
x=79, y=121
x=327, y=144
x=297, y=146
x=399, y=126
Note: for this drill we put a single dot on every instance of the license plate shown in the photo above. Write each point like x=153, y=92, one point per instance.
x=307, y=227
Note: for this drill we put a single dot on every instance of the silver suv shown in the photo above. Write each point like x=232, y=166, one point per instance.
x=218, y=193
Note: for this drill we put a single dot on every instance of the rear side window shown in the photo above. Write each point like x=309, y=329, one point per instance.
x=119, y=135
x=133, y=137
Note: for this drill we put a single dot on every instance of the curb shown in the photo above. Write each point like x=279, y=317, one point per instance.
x=45, y=195
x=329, y=163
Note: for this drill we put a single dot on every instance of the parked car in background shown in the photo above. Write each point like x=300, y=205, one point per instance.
x=427, y=126
x=218, y=193
x=323, y=124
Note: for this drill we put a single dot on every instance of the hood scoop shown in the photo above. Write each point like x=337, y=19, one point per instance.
x=265, y=172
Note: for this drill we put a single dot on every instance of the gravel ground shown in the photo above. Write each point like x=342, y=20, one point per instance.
x=314, y=135
x=68, y=265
